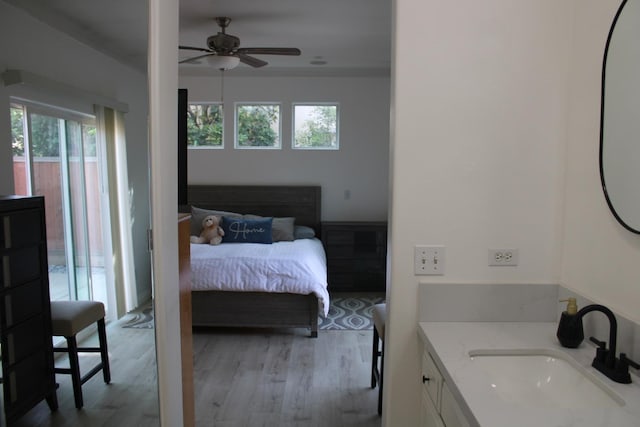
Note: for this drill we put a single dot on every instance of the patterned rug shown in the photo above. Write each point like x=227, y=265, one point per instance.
x=347, y=312
x=351, y=311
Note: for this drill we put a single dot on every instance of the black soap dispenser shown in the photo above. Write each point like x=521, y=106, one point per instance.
x=570, y=332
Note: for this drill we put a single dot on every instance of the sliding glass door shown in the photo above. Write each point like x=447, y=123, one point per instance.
x=56, y=155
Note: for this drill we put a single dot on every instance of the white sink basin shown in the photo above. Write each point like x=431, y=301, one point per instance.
x=542, y=377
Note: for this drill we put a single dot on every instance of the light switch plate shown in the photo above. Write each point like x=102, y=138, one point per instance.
x=429, y=260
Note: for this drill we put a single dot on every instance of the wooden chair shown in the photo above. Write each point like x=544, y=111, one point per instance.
x=68, y=318
x=377, y=352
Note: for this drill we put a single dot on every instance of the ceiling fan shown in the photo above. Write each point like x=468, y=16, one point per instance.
x=224, y=51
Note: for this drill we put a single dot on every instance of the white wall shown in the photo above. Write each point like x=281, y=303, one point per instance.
x=360, y=166
x=163, y=110
x=29, y=45
x=600, y=256
x=479, y=101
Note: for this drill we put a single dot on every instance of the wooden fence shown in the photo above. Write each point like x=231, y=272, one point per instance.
x=48, y=183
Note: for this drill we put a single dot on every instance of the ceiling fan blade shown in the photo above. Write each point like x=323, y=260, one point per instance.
x=193, y=48
x=194, y=59
x=250, y=60
x=292, y=51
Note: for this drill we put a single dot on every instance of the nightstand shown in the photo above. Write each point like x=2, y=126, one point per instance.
x=356, y=255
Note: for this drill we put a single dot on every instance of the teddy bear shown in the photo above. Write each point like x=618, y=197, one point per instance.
x=211, y=231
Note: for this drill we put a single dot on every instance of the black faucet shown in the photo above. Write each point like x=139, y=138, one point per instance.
x=570, y=334
x=605, y=357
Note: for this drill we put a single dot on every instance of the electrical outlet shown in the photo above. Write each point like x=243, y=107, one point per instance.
x=429, y=260
x=503, y=257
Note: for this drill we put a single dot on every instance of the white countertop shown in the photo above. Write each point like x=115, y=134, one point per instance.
x=450, y=343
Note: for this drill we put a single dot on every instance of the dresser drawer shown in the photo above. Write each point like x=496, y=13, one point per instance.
x=21, y=303
x=25, y=318
x=24, y=340
x=26, y=379
x=20, y=266
x=20, y=229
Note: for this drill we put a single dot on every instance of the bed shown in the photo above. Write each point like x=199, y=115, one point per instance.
x=233, y=308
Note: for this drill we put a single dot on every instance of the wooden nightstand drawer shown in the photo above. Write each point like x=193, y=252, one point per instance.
x=360, y=237
x=350, y=252
x=356, y=255
x=373, y=265
x=351, y=282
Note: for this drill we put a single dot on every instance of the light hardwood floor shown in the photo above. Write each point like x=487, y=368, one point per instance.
x=242, y=378
x=131, y=399
x=258, y=378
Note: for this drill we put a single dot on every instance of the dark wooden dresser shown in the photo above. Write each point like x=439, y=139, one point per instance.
x=356, y=255
x=25, y=311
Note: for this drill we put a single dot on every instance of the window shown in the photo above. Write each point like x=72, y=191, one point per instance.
x=55, y=154
x=315, y=126
x=204, y=126
x=258, y=126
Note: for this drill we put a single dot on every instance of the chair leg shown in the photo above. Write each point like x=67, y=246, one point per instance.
x=75, y=371
x=374, y=357
x=104, y=352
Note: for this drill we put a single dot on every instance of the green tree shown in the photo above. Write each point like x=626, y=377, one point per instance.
x=319, y=128
x=204, y=125
x=45, y=136
x=89, y=137
x=17, y=131
x=45, y=139
x=258, y=125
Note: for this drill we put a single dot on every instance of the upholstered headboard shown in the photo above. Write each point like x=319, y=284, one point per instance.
x=299, y=201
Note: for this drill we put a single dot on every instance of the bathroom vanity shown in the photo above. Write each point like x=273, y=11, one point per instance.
x=439, y=407
x=503, y=367
x=464, y=393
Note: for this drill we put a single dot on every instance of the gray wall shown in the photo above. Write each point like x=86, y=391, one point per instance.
x=360, y=167
x=27, y=44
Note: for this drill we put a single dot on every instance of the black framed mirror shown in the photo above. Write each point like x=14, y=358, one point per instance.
x=620, y=117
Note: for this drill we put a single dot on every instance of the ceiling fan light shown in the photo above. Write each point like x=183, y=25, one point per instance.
x=223, y=62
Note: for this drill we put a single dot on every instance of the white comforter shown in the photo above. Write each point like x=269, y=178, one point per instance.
x=297, y=267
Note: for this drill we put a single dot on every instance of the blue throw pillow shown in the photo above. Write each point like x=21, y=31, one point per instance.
x=246, y=230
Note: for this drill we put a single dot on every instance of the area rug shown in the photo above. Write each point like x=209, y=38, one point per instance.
x=351, y=312
x=139, y=319
x=347, y=312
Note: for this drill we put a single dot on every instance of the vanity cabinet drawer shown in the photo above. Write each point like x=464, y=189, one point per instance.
x=439, y=407
x=428, y=414
x=450, y=410
x=431, y=379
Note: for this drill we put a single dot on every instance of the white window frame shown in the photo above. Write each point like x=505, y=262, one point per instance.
x=236, y=143
x=207, y=147
x=313, y=104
